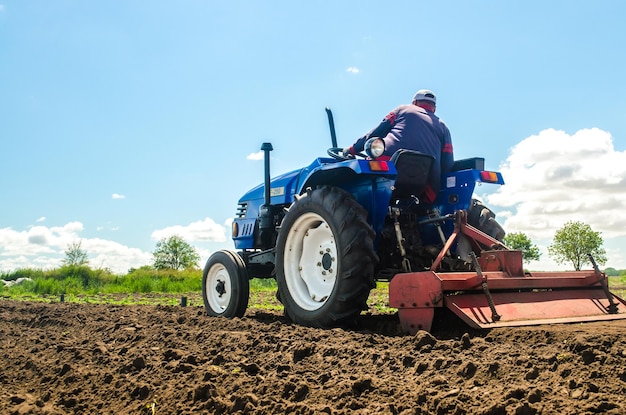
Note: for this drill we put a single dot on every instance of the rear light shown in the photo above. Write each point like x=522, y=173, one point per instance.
x=489, y=176
x=378, y=165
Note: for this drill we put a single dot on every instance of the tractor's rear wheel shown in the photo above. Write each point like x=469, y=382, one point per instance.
x=225, y=285
x=325, y=259
x=483, y=219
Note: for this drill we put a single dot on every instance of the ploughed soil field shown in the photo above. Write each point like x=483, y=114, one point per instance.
x=68, y=358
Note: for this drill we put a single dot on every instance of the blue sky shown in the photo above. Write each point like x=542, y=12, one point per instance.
x=123, y=122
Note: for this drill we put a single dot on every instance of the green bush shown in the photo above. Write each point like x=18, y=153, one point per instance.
x=147, y=279
x=81, y=279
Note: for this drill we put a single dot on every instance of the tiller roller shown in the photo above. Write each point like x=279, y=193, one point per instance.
x=498, y=292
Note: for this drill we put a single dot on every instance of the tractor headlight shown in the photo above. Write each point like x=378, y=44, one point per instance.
x=374, y=147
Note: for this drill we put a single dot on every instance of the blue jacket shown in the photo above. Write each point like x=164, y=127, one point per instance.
x=415, y=128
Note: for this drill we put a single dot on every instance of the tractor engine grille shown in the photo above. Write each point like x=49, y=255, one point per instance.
x=242, y=209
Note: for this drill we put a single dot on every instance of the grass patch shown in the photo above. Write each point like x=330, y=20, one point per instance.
x=263, y=294
x=144, y=286
x=88, y=285
x=379, y=298
x=617, y=285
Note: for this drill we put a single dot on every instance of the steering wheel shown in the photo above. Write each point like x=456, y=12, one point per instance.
x=337, y=153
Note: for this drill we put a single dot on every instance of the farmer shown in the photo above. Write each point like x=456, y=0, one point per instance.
x=415, y=127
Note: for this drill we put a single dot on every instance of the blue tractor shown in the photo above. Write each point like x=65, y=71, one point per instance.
x=328, y=231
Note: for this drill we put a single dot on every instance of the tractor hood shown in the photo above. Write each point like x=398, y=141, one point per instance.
x=282, y=189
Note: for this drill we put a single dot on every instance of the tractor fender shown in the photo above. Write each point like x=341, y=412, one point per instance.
x=369, y=181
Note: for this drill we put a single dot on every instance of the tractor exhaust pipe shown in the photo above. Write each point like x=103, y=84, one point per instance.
x=266, y=214
x=267, y=147
x=331, y=123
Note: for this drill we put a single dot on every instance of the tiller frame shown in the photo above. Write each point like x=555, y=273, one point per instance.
x=498, y=293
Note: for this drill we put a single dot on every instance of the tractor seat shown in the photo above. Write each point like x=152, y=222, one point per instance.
x=414, y=170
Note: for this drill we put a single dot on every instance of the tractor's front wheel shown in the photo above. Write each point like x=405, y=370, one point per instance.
x=325, y=259
x=225, y=285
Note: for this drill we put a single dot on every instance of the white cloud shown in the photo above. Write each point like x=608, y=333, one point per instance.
x=113, y=255
x=554, y=177
x=256, y=156
x=353, y=69
x=117, y=196
x=44, y=247
x=38, y=239
x=205, y=230
x=41, y=219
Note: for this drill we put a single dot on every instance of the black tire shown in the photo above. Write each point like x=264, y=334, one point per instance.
x=325, y=259
x=483, y=219
x=225, y=285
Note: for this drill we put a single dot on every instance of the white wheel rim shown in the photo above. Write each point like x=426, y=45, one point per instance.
x=218, y=288
x=310, y=261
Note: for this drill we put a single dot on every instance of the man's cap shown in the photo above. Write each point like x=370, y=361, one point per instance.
x=425, y=95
